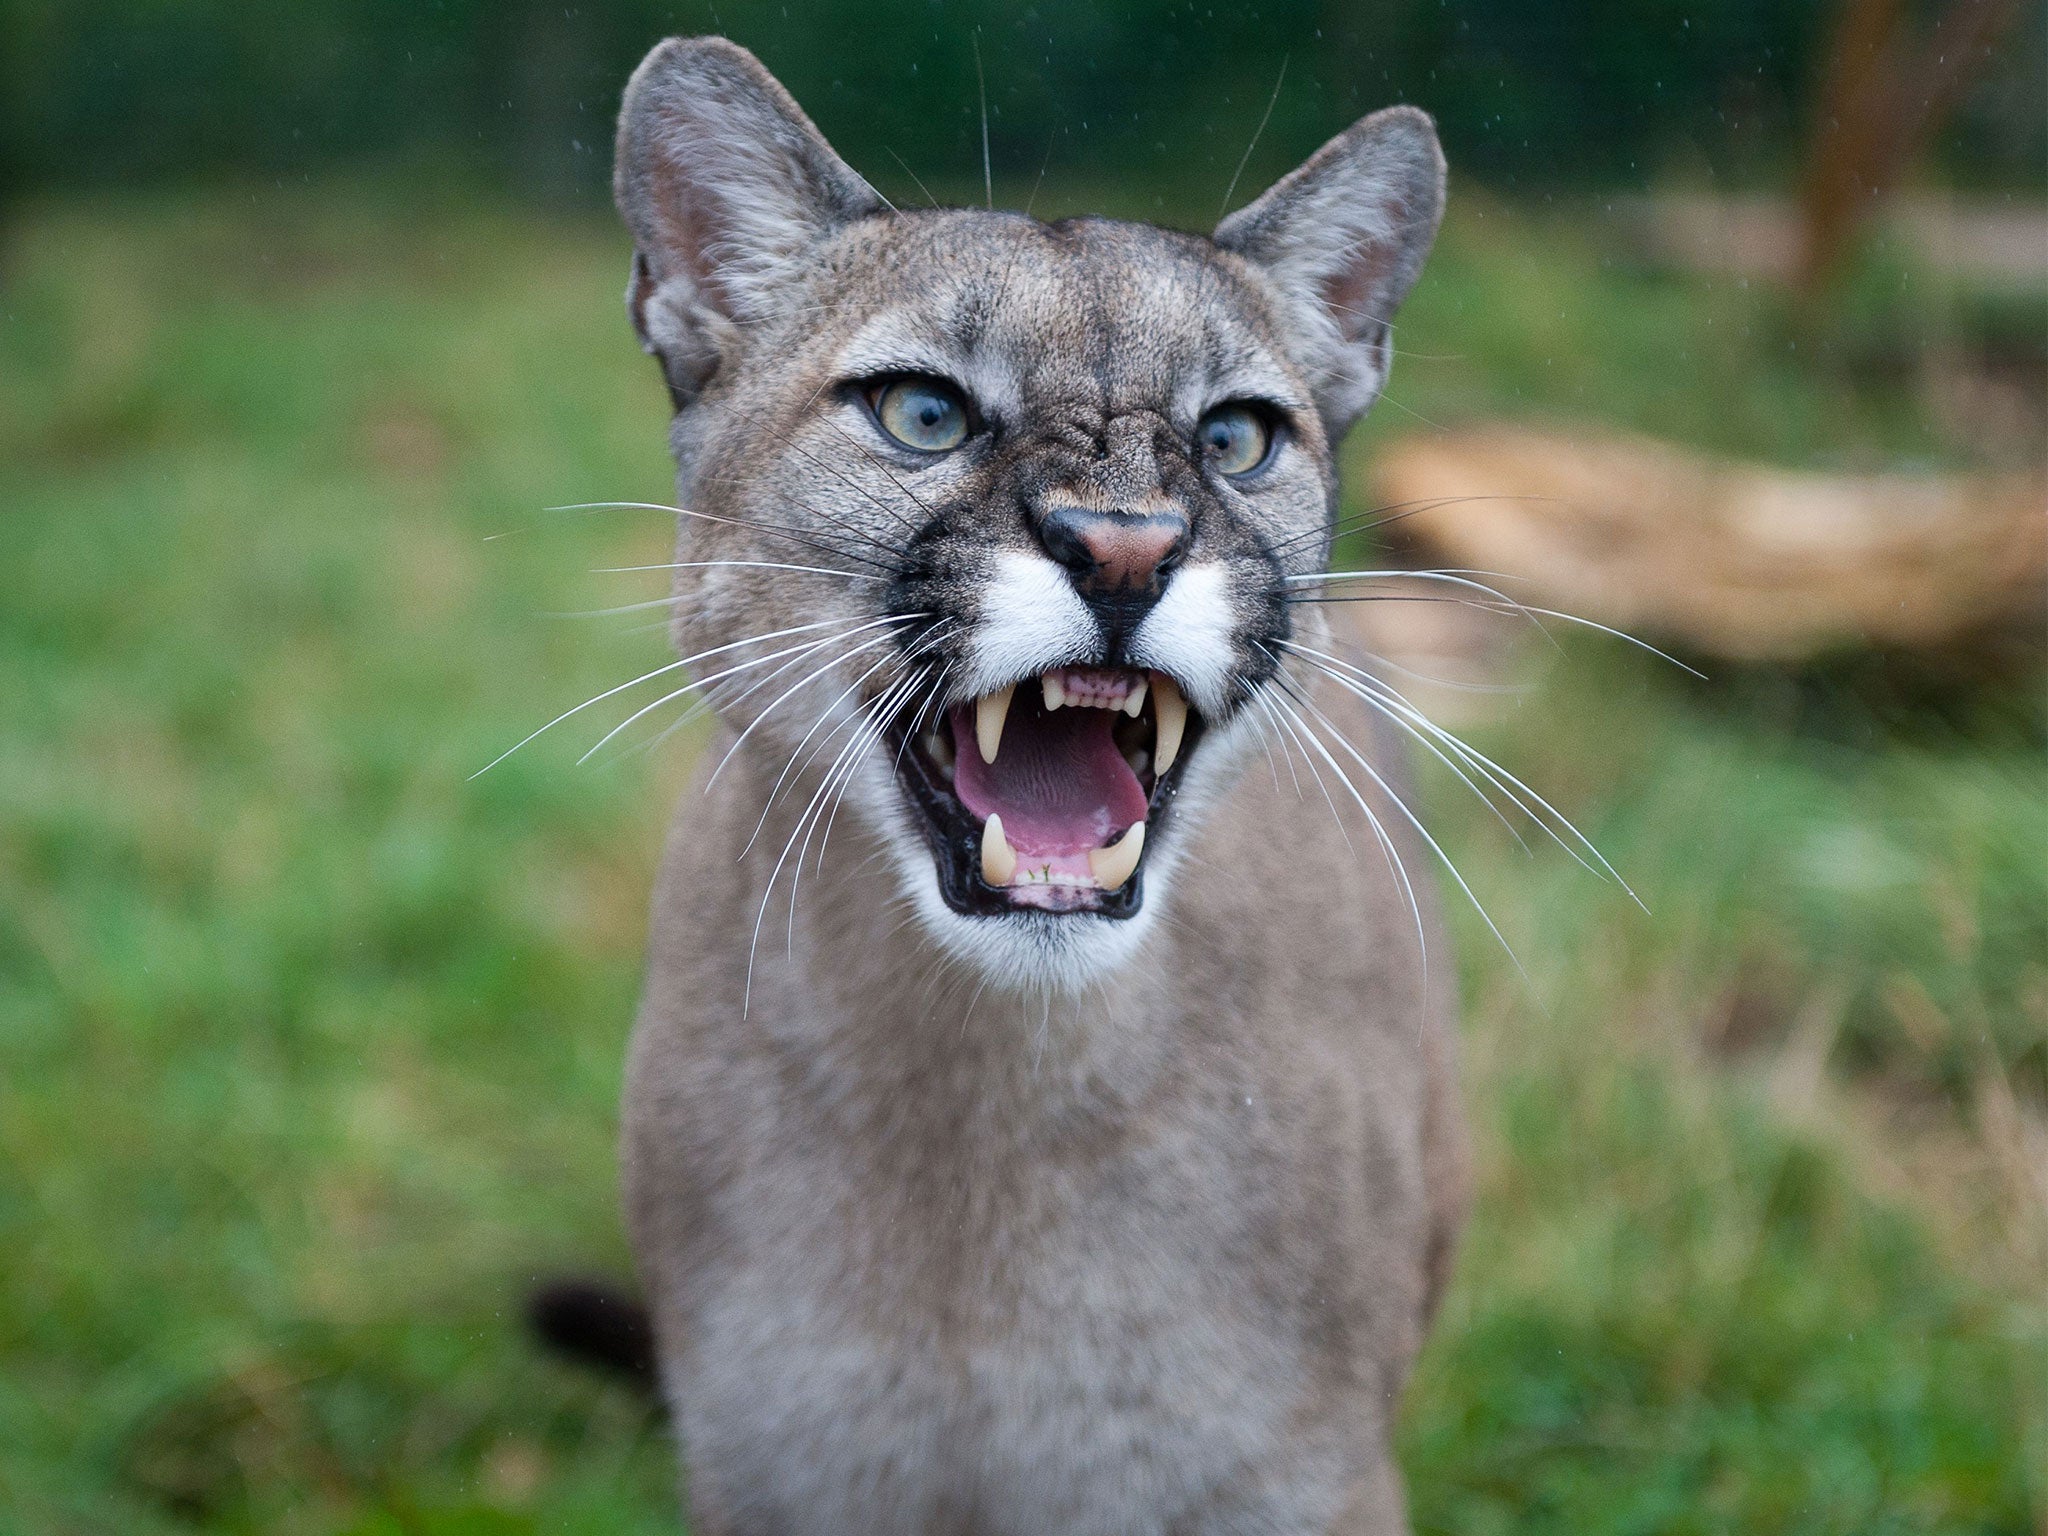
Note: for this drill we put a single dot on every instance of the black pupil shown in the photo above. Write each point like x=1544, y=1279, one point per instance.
x=931, y=410
x=1223, y=434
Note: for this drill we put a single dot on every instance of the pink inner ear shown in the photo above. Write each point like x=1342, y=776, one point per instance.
x=1350, y=293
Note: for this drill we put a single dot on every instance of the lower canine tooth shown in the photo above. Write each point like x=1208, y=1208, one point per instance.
x=1113, y=865
x=990, y=711
x=1171, y=711
x=998, y=861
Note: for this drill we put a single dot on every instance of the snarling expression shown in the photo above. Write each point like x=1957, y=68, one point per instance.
x=1006, y=509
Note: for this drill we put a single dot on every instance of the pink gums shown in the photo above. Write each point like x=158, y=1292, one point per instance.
x=1059, y=782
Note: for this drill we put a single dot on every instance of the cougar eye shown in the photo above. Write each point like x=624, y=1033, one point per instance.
x=927, y=414
x=1234, y=438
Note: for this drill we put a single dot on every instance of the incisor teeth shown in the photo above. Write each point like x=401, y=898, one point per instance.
x=1172, y=713
x=1135, y=700
x=1113, y=865
x=998, y=859
x=1055, y=694
x=990, y=711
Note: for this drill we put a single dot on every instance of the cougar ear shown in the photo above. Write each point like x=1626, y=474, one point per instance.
x=726, y=186
x=1343, y=236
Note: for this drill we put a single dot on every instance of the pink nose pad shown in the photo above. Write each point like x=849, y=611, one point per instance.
x=1114, y=551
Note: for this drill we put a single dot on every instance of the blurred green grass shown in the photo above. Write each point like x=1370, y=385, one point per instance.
x=310, y=1044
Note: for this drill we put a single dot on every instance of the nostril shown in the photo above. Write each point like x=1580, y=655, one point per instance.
x=1114, y=551
x=1062, y=532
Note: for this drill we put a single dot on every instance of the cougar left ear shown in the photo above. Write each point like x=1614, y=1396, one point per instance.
x=1343, y=236
x=726, y=186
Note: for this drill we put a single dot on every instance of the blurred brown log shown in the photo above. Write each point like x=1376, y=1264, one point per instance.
x=1728, y=558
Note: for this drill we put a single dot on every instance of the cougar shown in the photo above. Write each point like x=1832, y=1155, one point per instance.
x=1041, y=1114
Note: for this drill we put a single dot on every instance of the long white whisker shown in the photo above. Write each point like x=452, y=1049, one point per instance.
x=864, y=737
x=1619, y=634
x=929, y=639
x=753, y=565
x=1396, y=705
x=1398, y=573
x=1529, y=611
x=768, y=890
x=909, y=687
x=1314, y=772
x=1386, y=842
x=705, y=703
x=1273, y=763
x=791, y=767
x=804, y=682
x=697, y=683
x=776, y=529
x=647, y=676
x=1394, y=717
x=1423, y=832
x=1246, y=159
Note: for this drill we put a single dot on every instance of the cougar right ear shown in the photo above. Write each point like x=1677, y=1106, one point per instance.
x=726, y=186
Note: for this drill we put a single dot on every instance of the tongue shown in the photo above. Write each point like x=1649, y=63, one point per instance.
x=1059, y=782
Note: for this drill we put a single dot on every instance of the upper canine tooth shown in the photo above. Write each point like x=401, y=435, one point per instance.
x=1172, y=713
x=990, y=711
x=1055, y=695
x=1113, y=865
x=998, y=859
x=1135, y=700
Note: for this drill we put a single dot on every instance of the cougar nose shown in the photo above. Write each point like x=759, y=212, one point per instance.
x=1111, y=553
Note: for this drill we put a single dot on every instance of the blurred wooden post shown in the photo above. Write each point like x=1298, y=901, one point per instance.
x=1882, y=96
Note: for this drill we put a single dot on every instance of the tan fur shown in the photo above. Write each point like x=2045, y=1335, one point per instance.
x=1046, y=1223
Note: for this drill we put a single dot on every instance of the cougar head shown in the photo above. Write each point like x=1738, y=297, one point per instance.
x=989, y=521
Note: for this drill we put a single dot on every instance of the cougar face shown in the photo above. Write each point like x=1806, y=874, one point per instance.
x=988, y=522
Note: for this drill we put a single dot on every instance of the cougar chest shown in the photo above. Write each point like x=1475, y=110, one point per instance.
x=1032, y=1341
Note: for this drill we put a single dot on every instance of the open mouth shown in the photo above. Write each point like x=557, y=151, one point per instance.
x=1044, y=793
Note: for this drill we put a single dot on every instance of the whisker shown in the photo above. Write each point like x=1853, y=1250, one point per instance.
x=884, y=717
x=697, y=683
x=777, y=530
x=1386, y=843
x=812, y=677
x=1273, y=763
x=880, y=463
x=845, y=479
x=1373, y=518
x=767, y=891
x=878, y=715
x=1392, y=700
x=927, y=191
x=704, y=703
x=1050, y=140
x=791, y=767
x=753, y=565
x=1246, y=159
x=1421, y=831
x=657, y=672
x=1428, y=746
x=988, y=178
x=1314, y=772
x=798, y=686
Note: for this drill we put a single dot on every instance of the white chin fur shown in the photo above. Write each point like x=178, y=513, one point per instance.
x=1026, y=950
x=1032, y=951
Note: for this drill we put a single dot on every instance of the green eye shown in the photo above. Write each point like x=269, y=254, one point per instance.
x=922, y=413
x=1234, y=438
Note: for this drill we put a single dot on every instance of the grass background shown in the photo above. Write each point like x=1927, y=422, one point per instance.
x=310, y=1044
